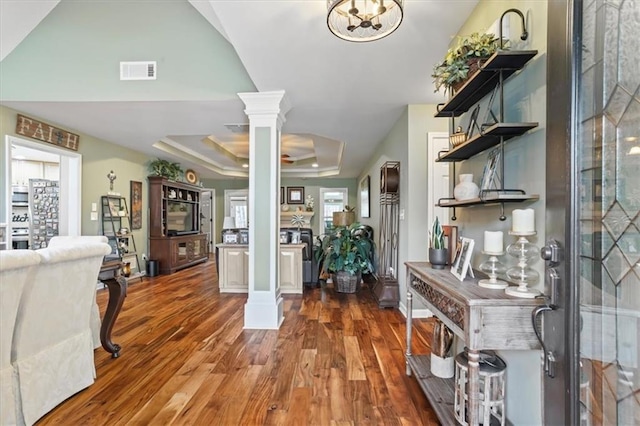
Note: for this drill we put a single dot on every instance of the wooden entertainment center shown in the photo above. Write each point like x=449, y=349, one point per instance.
x=175, y=240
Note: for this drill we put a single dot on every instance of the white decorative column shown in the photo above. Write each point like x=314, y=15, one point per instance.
x=266, y=111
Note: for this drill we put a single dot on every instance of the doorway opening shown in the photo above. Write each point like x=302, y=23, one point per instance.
x=69, y=176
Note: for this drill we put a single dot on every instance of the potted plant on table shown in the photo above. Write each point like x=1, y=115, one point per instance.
x=438, y=254
x=463, y=60
x=348, y=254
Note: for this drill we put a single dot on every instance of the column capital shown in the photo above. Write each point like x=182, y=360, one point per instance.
x=266, y=104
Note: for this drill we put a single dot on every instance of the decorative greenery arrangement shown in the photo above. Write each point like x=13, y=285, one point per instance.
x=436, y=235
x=346, y=249
x=455, y=67
x=167, y=169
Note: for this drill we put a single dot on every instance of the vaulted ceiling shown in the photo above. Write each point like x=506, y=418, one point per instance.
x=60, y=62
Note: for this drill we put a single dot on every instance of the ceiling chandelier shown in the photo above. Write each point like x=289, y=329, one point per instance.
x=364, y=20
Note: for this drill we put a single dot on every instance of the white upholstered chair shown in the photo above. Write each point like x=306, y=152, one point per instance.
x=60, y=241
x=53, y=348
x=17, y=267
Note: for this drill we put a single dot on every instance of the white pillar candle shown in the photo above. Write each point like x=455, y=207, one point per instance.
x=523, y=220
x=493, y=242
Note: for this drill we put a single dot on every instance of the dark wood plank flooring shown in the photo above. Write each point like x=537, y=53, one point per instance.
x=337, y=359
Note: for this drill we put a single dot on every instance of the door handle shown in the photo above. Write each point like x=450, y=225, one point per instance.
x=549, y=357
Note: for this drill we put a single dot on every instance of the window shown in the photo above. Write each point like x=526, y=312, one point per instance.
x=331, y=200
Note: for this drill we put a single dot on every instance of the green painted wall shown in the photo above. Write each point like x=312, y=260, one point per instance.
x=525, y=100
x=47, y=65
x=98, y=158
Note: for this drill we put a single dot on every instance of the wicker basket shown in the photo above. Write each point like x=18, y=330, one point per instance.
x=474, y=66
x=346, y=283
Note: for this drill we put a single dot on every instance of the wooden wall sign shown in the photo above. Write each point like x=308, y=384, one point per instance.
x=44, y=132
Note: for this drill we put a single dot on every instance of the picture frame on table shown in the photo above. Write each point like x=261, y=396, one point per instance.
x=230, y=237
x=296, y=237
x=282, y=195
x=295, y=195
x=364, y=197
x=462, y=262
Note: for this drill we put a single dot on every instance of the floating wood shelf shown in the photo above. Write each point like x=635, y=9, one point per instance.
x=489, y=199
x=488, y=138
x=485, y=80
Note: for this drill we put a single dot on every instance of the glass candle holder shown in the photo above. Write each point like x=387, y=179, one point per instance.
x=493, y=267
x=522, y=274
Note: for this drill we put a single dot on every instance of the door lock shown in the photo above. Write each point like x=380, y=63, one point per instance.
x=552, y=252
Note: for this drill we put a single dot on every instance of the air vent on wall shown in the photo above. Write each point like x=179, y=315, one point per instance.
x=139, y=70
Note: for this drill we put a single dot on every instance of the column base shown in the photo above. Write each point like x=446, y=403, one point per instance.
x=260, y=313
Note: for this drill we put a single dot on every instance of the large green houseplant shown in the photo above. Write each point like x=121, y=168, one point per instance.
x=347, y=253
x=164, y=168
x=463, y=59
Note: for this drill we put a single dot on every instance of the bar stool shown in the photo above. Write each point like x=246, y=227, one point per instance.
x=491, y=388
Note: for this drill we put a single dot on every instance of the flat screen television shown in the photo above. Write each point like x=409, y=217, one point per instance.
x=182, y=218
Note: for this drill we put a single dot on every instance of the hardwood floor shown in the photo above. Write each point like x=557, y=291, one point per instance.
x=337, y=359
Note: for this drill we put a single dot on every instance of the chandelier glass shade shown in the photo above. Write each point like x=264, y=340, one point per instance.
x=364, y=20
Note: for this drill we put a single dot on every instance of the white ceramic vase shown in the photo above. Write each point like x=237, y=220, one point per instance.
x=466, y=189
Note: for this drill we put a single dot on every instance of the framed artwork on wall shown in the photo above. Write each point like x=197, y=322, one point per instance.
x=295, y=195
x=364, y=197
x=136, y=204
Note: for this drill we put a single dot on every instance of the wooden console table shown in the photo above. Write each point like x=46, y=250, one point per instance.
x=117, y=285
x=483, y=318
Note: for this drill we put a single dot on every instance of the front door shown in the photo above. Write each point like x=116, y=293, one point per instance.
x=592, y=332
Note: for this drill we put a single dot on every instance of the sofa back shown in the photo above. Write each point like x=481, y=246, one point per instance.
x=17, y=267
x=60, y=296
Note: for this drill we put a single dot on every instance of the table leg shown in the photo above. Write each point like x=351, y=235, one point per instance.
x=117, y=291
x=474, y=386
x=409, y=328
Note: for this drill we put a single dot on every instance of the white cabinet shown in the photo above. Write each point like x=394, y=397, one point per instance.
x=233, y=268
x=291, y=268
x=233, y=273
